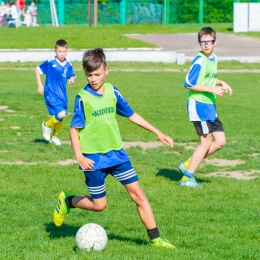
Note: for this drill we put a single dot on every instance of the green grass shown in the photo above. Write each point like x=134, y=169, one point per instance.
x=220, y=221
x=140, y=66
x=82, y=37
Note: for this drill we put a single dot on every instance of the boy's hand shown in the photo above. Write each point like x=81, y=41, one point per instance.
x=167, y=140
x=40, y=89
x=85, y=163
x=227, y=88
x=71, y=80
x=220, y=91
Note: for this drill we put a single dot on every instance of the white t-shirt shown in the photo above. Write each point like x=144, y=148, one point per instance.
x=12, y=10
x=32, y=10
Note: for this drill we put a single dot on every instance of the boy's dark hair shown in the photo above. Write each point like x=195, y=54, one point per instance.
x=61, y=43
x=93, y=59
x=205, y=31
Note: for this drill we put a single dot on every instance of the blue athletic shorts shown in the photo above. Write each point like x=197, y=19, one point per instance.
x=55, y=109
x=95, y=180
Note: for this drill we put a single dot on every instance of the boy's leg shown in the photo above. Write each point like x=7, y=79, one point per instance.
x=67, y=202
x=125, y=173
x=188, y=179
x=218, y=142
x=143, y=207
x=88, y=203
x=204, y=128
x=200, y=152
x=146, y=215
x=95, y=181
x=57, y=125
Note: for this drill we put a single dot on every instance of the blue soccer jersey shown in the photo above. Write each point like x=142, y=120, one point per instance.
x=198, y=111
x=55, y=92
x=111, y=158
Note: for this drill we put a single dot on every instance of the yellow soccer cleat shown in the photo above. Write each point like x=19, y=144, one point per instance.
x=164, y=243
x=62, y=210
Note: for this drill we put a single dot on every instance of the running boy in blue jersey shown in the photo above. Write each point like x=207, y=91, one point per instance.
x=58, y=72
x=203, y=86
x=99, y=148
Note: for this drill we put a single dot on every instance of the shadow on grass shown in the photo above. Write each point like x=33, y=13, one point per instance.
x=112, y=236
x=43, y=141
x=175, y=176
x=63, y=231
x=70, y=231
x=171, y=174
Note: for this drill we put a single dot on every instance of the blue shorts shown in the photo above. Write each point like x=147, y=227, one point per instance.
x=55, y=109
x=95, y=180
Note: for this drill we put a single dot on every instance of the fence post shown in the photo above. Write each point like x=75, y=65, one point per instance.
x=95, y=12
x=89, y=13
x=166, y=12
x=123, y=12
x=61, y=11
x=201, y=5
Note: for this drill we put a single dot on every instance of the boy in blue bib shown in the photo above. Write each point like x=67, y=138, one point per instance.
x=59, y=72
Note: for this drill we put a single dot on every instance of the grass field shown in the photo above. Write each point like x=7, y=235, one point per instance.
x=217, y=222
x=82, y=37
x=220, y=221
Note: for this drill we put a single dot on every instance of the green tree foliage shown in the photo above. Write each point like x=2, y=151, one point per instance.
x=184, y=11
x=187, y=11
x=218, y=11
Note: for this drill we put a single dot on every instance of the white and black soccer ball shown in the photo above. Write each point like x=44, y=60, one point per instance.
x=91, y=237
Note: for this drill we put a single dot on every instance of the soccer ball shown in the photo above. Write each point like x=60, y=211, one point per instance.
x=91, y=237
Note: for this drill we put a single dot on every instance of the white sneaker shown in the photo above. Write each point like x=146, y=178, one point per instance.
x=55, y=140
x=46, y=132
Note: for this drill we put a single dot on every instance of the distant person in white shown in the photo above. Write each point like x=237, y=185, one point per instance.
x=32, y=10
x=10, y=14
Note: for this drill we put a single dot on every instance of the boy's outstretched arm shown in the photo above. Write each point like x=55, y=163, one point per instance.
x=84, y=163
x=138, y=120
x=39, y=82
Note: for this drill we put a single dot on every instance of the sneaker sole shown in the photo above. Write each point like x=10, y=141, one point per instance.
x=54, y=143
x=181, y=184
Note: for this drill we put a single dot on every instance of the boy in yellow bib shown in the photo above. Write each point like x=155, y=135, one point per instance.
x=98, y=146
x=203, y=86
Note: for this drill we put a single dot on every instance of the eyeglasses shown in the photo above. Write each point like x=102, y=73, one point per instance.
x=203, y=43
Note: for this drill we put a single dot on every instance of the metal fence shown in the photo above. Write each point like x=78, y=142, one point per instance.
x=81, y=12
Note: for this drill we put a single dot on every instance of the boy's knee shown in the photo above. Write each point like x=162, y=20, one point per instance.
x=222, y=143
x=62, y=114
x=100, y=206
x=139, y=197
x=206, y=144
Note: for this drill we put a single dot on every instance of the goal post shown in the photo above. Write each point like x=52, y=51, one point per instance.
x=54, y=18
